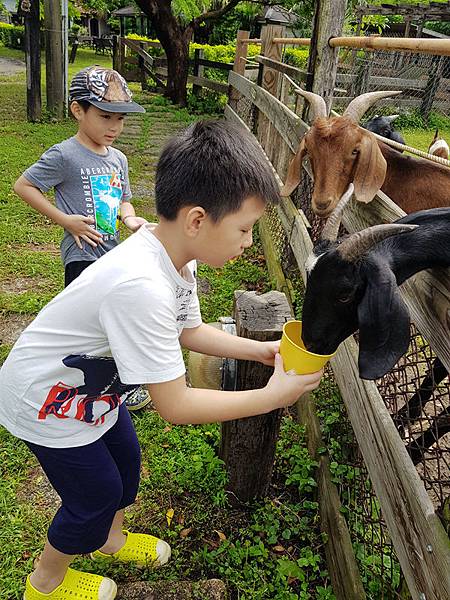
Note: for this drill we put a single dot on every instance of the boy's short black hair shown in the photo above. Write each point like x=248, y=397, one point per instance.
x=213, y=164
x=84, y=105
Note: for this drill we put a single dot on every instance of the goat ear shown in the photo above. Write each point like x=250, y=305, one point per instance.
x=294, y=173
x=383, y=324
x=370, y=170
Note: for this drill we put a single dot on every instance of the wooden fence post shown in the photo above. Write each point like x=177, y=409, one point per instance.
x=197, y=70
x=239, y=66
x=248, y=445
x=33, y=61
x=341, y=561
x=322, y=64
x=270, y=80
x=115, y=52
x=54, y=59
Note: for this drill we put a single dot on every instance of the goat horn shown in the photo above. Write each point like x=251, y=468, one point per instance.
x=359, y=105
x=357, y=244
x=330, y=231
x=317, y=103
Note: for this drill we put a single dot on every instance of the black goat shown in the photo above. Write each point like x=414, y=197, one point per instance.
x=383, y=126
x=353, y=284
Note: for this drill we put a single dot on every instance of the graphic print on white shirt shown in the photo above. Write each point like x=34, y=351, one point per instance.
x=101, y=392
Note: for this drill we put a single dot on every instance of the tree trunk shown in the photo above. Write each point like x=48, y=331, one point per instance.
x=177, y=70
x=175, y=40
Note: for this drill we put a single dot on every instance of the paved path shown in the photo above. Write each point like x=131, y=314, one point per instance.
x=11, y=66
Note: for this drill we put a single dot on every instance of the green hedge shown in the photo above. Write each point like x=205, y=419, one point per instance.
x=12, y=36
x=297, y=57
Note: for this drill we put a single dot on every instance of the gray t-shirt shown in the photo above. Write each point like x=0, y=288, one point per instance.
x=86, y=183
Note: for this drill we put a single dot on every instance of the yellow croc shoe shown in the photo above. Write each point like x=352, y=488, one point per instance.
x=141, y=549
x=76, y=585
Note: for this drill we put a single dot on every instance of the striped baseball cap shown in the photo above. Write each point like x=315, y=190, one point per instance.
x=104, y=88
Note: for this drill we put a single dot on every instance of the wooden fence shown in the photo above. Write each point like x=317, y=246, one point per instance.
x=420, y=540
x=131, y=59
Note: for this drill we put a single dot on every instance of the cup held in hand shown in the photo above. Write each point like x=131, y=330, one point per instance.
x=294, y=354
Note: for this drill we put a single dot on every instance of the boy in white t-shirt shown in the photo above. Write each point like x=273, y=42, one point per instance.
x=63, y=384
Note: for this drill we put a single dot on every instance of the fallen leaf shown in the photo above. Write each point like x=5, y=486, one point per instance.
x=169, y=516
x=221, y=535
x=185, y=532
x=279, y=549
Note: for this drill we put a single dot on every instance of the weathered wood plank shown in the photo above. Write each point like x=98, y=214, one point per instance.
x=287, y=123
x=420, y=541
x=341, y=562
x=385, y=83
x=323, y=57
x=281, y=67
x=217, y=86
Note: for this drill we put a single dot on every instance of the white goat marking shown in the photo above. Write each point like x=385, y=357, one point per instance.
x=311, y=262
x=438, y=145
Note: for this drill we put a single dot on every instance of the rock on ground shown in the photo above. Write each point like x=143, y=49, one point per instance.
x=212, y=589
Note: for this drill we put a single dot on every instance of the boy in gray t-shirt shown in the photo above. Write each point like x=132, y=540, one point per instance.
x=89, y=176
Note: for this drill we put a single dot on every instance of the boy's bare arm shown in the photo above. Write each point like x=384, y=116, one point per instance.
x=179, y=404
x=129, y=218
x=214, y=342
x=78, y=225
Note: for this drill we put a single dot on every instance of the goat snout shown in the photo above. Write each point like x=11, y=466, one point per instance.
x=323, y=207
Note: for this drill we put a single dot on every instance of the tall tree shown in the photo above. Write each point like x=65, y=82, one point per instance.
x=174, y=26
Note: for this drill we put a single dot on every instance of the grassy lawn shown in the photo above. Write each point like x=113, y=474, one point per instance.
x=273, y=550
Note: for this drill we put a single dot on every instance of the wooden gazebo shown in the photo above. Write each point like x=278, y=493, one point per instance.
x=140, y=21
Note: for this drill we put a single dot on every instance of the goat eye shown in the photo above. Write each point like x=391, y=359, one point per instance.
x=355, y=151
x=345, y=299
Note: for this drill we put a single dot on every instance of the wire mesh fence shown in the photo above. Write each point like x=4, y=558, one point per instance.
x=423, y=80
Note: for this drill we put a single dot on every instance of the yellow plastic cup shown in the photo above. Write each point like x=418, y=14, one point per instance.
x=294, y=354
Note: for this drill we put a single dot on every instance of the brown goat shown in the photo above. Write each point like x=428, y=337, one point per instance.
x=340, y=152
x=439, y=146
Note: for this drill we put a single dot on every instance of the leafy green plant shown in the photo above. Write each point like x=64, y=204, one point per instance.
x=12, y=36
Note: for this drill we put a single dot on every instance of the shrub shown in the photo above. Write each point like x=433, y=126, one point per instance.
x=12, y=36
x=297, y=57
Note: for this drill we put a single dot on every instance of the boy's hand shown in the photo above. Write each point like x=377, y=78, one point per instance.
x=287, y=387
x=133, y=223
x=265, y=352
x=80, y=227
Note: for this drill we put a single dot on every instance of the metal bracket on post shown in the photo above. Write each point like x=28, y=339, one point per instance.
x=228, y=364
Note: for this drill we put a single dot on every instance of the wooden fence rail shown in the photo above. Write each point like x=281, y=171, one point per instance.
x=420, y=541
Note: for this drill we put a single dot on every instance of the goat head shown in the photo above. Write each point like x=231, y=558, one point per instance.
x=353, y=284
x=340, y=152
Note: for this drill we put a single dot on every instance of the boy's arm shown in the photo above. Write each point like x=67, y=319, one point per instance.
x=214, y=342
x=179, y=404
x=78, y=225
x=128, y=216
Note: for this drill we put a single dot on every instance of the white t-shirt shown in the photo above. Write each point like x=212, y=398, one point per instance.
x=114, y=327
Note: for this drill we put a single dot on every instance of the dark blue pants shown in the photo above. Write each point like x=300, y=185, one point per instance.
x=94, y=482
